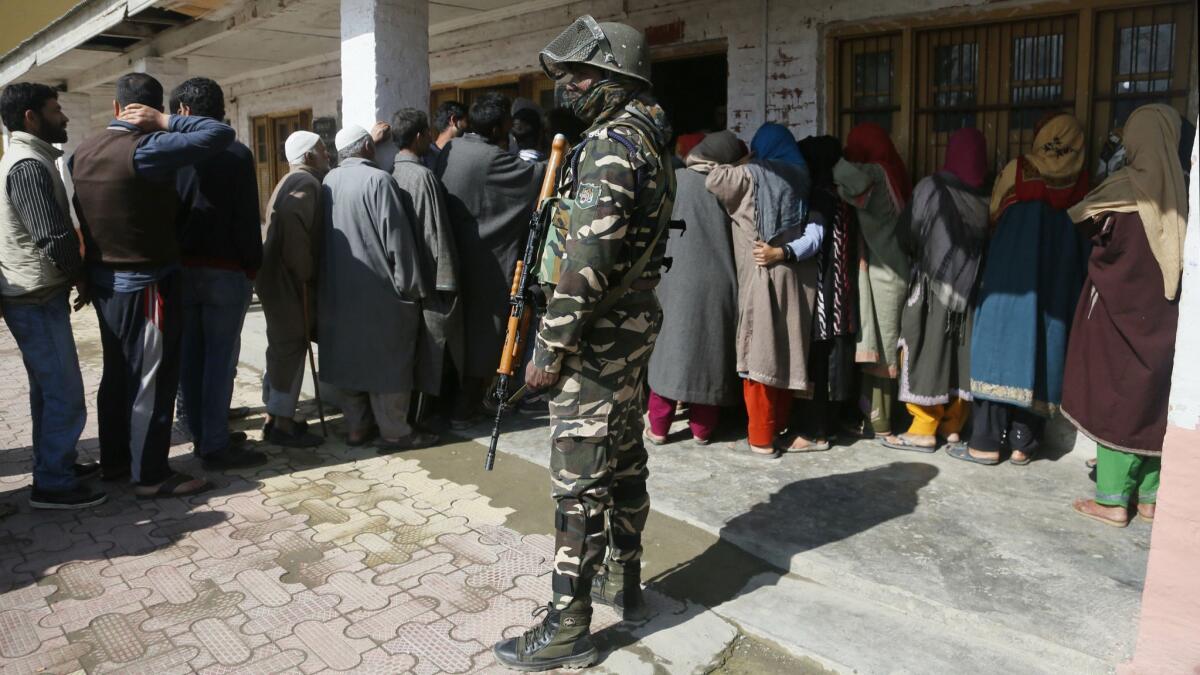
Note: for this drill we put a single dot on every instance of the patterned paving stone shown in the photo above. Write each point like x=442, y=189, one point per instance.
x=327, y=560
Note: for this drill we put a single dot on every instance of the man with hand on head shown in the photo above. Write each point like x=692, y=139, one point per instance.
x=287, y=285
x=39, y=261
x=129, y=210
x=221, y=246
x=371, y=272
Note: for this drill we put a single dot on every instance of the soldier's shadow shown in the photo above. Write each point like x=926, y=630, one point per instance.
x=802, y=516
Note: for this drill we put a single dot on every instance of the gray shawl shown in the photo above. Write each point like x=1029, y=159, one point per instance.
x=490, y=196
x=371, y=282
x=945, y=231
x=441, y=312
x=694, y=359
x=780, y=197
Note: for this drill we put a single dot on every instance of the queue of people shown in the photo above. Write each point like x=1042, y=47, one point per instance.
x=984, y=309
x=814, y=285
x=170, y=246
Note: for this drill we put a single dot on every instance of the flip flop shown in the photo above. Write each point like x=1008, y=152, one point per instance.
x=366, y=438
x=167, y=488
x=1030, y=455
x=963, y=452
x=1106, y=521
x=813, y=446
x=902, y=443
x=767, y=455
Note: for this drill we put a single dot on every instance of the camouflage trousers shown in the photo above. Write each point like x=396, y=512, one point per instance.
x=597, y=456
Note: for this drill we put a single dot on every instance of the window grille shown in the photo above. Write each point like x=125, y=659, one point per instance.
x=867, y=69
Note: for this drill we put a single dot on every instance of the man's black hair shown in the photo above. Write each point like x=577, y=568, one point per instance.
x=530, y=135
x=139, y=88
x=488, y=114
x=446, y=110
x=202, y=96
x=407, y=124
x=22, y=96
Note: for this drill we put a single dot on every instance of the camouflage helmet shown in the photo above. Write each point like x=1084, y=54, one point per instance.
x=616, y=47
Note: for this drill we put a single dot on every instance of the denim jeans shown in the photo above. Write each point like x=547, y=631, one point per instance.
x=43, y=333
x=214, y=307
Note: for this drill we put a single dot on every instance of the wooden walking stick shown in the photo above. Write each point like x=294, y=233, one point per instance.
x=312, y=364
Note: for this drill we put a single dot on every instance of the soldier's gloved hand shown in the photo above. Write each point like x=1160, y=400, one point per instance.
x=539, y=378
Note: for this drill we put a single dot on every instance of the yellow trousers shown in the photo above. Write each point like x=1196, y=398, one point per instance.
x=938, y=420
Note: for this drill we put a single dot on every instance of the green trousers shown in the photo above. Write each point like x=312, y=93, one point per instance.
x=1120, y=476
x=878, y=396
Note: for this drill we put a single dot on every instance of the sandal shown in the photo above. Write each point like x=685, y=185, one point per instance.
x=902, y=442
x=654, y=439
x=1142, y=514
x=414, y=441
x=367, y=437
x=170, y=486
x=1080, y=506
x=963, y=452
x=774, y=454
x=1030, y=454
x=810, y=445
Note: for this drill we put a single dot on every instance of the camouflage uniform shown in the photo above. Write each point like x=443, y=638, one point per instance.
x=615, y=194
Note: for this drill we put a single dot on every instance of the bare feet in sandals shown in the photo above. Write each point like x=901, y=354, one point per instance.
x=1146, y=512
x=177, y=485
x=805, y=444
x=1116, y=516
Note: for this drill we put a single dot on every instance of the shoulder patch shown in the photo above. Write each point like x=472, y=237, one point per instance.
x=588, y=195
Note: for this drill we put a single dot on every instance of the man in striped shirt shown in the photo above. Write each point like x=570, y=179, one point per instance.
x=39, y=262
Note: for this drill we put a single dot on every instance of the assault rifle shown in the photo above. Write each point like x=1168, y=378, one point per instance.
x=521, y=313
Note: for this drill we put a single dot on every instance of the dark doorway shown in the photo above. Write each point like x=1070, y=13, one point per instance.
x=692, y=91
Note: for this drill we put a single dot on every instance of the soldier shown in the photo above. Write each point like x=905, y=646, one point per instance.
x=599, y=267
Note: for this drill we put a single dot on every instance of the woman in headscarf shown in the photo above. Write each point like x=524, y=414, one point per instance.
x=835, y=314
x=694, y=358
x=945, y=229
x=1033, y=270
x=872, y=178
x=1118, y=373
x=773, y=251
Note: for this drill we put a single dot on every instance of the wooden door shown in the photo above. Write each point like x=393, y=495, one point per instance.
x=270, y=135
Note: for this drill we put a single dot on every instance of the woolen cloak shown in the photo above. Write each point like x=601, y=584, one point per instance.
x=694, y=359
x=490, y=194
x=291, y=253
x=1122, y=350
x=441, y=335
x=775, y=304
x=371, y=284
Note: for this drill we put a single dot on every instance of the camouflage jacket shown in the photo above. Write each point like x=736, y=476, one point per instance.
x=614, y=194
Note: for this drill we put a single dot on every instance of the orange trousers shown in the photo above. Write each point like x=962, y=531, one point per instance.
x=930, y=420
x=768, y=410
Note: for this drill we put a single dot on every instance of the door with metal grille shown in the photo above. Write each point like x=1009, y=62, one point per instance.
x=1001, y=78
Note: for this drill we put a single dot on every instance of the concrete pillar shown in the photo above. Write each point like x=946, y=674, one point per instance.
x=385, y=61
x=1169, y=629
x=169, y=72
x=78, y=108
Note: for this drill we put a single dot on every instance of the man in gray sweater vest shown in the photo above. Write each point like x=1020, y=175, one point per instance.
x=39, y=262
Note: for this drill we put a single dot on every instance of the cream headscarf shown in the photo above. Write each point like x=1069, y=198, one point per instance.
x=1056, y=159
x=1152, y=185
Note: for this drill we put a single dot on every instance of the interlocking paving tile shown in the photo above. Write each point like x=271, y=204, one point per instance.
x=325, y=560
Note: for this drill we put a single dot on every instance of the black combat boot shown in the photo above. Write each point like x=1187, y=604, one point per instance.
x=620, y=587
x=561, y=640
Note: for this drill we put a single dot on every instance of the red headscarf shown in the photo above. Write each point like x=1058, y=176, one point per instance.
x=686, y=142
x=869, y=143
x=966, y=157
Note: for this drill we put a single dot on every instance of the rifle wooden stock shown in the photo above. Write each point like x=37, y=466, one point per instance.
x=520, y=316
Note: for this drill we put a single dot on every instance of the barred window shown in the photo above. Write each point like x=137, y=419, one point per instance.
x=867, y=69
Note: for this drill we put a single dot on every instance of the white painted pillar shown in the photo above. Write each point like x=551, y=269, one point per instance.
x=78, y=108
x=170, y=73
x=385, y=62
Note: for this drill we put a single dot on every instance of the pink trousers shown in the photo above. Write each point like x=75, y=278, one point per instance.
x=701, y=418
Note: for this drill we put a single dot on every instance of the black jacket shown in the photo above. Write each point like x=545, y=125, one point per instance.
x=222, y=226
